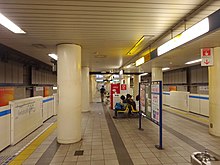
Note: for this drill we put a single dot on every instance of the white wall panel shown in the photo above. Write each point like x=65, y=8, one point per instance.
x=48, y=107
x=55, y=103
x=194, y=104
x=4, y=127
x=179, y=100
x=204, y=105
x=26, y=116
x=166, y=98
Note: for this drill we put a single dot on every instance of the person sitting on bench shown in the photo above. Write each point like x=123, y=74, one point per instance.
x=130, y=102
x=120, y=106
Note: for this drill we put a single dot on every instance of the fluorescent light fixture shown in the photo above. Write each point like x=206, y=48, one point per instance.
x=99, y=80
x=54, y=88
x=143, y=74
x=139, y=61
x=193, y=32
x=163, y=69
x=130, y=65
x=4, y=21
x=99, y=76
x=115, y=76
x=54, y=56
x=121, y=72
x=194, y=61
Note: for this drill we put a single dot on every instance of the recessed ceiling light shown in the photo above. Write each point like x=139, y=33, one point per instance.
x=143, y=74
x=163, y=69
x=4, y=21
x=54, y=56
x=194, y=61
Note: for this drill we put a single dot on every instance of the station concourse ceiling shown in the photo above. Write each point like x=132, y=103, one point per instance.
x=106, y=29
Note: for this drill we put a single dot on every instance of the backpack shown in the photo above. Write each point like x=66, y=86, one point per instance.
x=118, y=106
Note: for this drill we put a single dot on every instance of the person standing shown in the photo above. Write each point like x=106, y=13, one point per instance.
x=102, y=92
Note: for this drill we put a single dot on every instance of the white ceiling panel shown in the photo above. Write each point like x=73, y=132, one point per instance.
x=108, y=28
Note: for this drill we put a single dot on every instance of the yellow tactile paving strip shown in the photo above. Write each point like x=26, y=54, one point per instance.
x=189, y=115
x=22, y=156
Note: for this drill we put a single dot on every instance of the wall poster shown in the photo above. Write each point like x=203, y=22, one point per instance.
x=155, y=102
x=6, y=95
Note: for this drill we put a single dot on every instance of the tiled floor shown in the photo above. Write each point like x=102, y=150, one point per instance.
x=181, y=138
x=10, y=151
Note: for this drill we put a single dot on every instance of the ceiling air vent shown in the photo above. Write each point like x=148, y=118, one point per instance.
x=100, y=56
x=97, y=55
x=39, y=46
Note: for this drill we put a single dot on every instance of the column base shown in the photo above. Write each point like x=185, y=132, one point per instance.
x=86, y=110
x=213, y=132
x=70, y=141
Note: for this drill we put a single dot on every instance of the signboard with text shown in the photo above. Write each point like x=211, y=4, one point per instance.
x=155, y=102
x=123, y=87
x=207, y=57
x=156, y=108
x=143, y=97
x=115, y=89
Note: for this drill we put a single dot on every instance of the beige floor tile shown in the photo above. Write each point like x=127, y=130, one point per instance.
x=148, y=155
x=98, y=162
x=110, y=156
x=152, y=161
x=57, y=159
x=111, y=162
x=70, y=158
x=97, y=157
x=84, y=163
x=109, y=151
x=97, y=152
x=84, y=158
x=138, y=161
x=178, y=159
x=69, y=163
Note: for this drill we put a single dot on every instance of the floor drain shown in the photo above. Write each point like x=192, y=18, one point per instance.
x=78, y=153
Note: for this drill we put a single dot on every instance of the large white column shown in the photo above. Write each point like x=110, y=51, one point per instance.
x=214, y=95
x=90, y=88
x=93, y=88
x=69, y=89
x=85, y=89
x=136, y=86
x=157, y=74
x=127, y=81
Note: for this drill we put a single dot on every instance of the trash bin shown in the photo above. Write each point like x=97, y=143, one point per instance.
x=203, y=158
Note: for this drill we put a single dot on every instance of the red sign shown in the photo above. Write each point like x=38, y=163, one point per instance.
x=123, y=87
x=207, y=57
x=206, y=52
x=115, y=89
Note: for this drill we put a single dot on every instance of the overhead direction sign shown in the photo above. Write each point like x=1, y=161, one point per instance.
x=207, y=57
